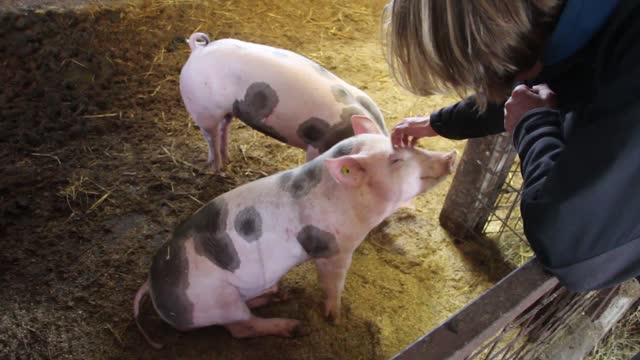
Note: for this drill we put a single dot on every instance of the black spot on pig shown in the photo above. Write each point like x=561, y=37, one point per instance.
x=259, y=102
x=285, y=178
x=248, y=224
x=341, y=94
x=343, y=148
x=208, y=228
x=337, y=133
x=317, y=243
x=348, y=112
x=319, y=134
x=301, y=181
x=219, y=249
x=312, y=131
x=169, y=281
x=373, y=110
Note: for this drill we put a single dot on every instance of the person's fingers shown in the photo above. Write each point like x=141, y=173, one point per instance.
x=405, y=140
x=540, y=87
x=397, y=133
x=507, y=108
x=546, y=94
x=395, y=137
x=408, y=131
x=520, y=89
x=399, y=139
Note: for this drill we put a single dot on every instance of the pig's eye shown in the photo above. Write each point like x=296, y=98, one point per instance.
x=395, y=161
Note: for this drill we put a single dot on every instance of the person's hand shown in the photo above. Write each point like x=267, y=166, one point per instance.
x=408, y=131
x=524, y=99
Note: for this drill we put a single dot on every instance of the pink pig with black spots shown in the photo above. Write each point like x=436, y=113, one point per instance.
x=275, y=91
x=229, y=256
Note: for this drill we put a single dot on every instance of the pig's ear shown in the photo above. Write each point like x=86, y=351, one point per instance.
x=346, y=170
x=364, y=125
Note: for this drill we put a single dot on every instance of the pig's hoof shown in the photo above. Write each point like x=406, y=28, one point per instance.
x=276, y=298
x=211, y=165
x=332, y=311
x=287, y=294
x=300, y=331
x=294, y=290
x=333, y=317
x=283, y=295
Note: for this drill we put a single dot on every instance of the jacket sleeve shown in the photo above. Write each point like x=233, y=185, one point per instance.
x=581, y=196
x=463, y=120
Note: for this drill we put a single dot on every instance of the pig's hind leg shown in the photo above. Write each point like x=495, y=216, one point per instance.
x=209, y=136
x=224, y=137
x=226, y=307
x=256, y=326
x=271, y=295
x=210, y=129
x=253, y=326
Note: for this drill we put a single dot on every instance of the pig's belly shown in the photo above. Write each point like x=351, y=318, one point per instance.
x=287, y=119
x=265, y=262
x=262, y=264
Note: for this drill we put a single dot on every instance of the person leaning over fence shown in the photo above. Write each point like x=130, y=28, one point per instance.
x=575, y=117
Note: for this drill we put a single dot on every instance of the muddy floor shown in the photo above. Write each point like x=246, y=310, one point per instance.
x=100, y=161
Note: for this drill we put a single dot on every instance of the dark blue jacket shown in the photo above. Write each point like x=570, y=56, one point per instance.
x=580, y=163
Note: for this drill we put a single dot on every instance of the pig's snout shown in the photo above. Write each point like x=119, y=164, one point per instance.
x=438, y=165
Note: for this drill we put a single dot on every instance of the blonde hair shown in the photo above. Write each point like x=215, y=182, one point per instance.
x=439, y=46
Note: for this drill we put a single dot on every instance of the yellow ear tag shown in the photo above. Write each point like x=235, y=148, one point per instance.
x=346, y=171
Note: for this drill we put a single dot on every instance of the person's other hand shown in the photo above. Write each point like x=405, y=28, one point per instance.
x=524, y=99
x=408, y=131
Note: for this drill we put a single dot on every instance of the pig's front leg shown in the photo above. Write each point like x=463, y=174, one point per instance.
x=312, y=153
x=332, y=273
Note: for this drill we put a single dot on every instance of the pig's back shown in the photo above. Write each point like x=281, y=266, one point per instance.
x=269, y=60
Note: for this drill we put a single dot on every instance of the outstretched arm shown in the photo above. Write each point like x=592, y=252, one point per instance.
x=464, y=120
x=459, y=121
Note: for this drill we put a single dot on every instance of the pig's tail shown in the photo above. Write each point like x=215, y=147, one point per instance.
x=198, y=40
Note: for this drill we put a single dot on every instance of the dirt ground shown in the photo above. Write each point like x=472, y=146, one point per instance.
x=101, y=161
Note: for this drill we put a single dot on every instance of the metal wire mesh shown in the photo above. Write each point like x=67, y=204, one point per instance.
x=543, y=323
x=484, y=167
x=504, y=214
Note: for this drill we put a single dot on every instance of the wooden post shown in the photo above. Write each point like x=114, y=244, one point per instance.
x=482, y=171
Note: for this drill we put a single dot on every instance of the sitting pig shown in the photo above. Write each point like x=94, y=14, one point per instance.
x=229, y=256
x=275, y=91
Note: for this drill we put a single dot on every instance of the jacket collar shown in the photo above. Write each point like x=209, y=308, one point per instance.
x=578, y=23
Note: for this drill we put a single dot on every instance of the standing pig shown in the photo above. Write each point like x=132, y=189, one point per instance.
x=229, y=256
x=275, y=91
